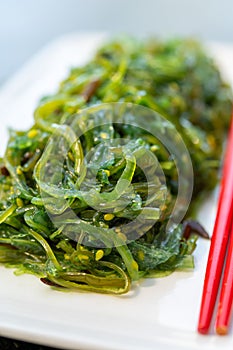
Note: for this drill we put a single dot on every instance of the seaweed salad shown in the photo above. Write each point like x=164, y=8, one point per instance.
x=67, y=201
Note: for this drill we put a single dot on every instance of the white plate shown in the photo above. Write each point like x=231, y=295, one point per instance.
x=160, y=313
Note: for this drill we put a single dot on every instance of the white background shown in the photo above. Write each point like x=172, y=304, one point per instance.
x=27, y=25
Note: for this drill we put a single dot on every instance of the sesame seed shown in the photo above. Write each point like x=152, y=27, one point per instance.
x=99, y=254
x=141, y=255
x=19, y=171
x=122, y=236
x=83, y=257
x=107, y=172
x=104, y=135
x=108, y=217
x=134, y=265
x=19, y=202
x=32, y=133
x=154, y=148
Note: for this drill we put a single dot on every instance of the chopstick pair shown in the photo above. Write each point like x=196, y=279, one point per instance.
x=222, y=239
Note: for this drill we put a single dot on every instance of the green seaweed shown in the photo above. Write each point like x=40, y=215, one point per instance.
x=90, y=251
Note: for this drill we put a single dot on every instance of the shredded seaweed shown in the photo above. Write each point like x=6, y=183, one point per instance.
x=101, y=179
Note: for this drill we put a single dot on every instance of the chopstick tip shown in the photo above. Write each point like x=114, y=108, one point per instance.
x=202, y=329
x=221, y=330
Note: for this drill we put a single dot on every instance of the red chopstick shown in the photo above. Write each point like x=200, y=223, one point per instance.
x=226, y=297
x=219, y=241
